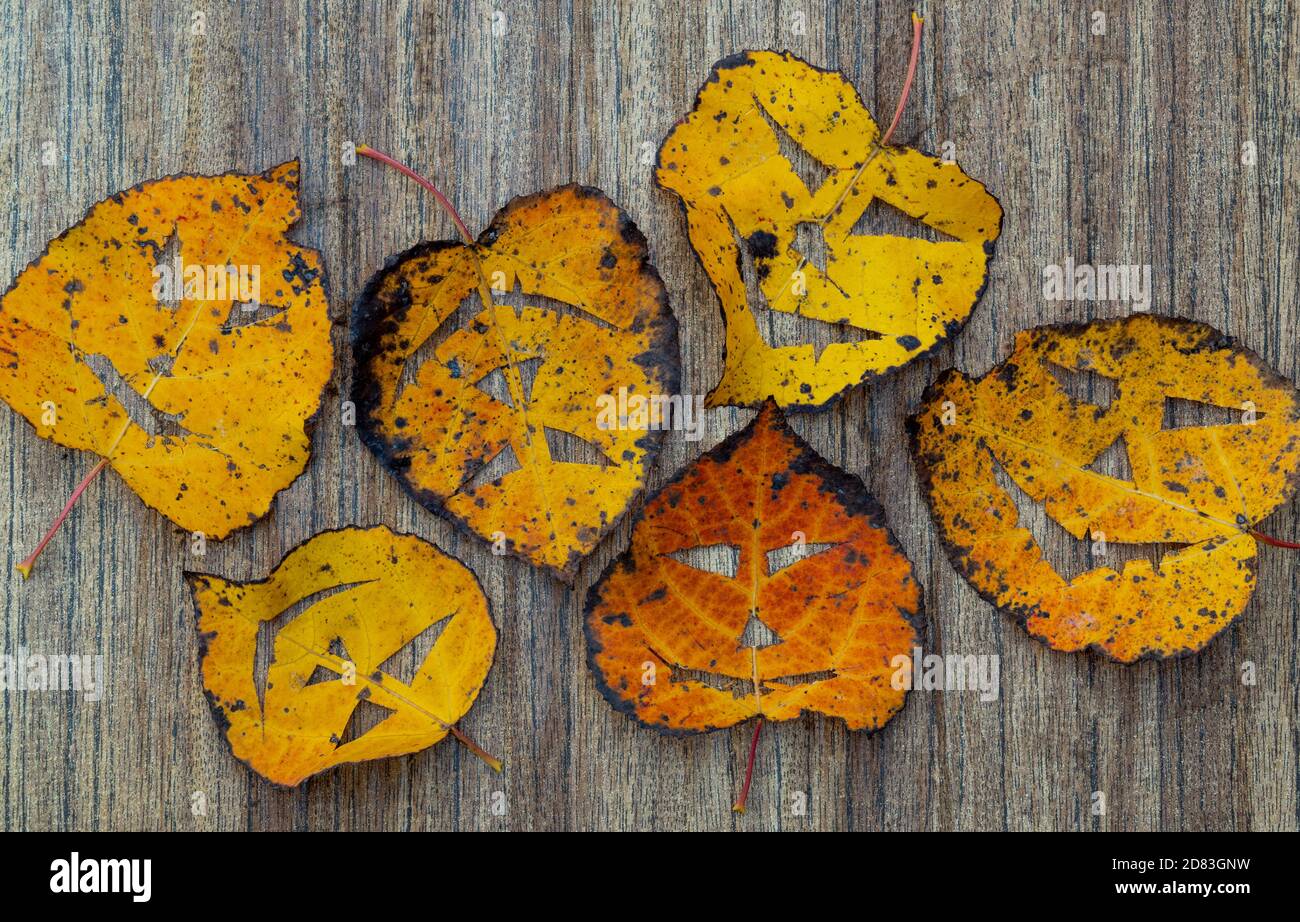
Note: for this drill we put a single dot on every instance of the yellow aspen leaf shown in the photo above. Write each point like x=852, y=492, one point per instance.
x=179, y=334
x=340, y=620
x=480, y=366
x=1201, y=487
x=781, y=170
x=761, y=582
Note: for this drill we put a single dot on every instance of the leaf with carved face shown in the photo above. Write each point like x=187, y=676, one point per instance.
x=341, y=620
x=1200, y=487
x=177, y=332
x=812, y=601
x=474, y=408
x=781, y=171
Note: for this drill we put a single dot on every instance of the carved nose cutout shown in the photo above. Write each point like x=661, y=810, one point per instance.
x=494, y=383
x=1112, y=461
x=757, y=634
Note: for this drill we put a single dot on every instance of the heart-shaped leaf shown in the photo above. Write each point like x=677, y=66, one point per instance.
x=761, y=582
x=471, y=404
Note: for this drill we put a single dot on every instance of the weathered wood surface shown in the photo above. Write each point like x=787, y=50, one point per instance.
x=1115, y=148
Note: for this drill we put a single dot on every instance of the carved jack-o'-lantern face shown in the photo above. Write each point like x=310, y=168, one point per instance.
x=489, y=412
x=781, y=170
x=1201, y=487
x=812, y=601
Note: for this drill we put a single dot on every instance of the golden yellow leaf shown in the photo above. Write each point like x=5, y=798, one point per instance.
x=335, y=618
x=1202, y=487
x=591, y=321
x=746, y=206
x=220, y=395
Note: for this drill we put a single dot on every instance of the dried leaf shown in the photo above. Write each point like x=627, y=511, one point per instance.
x=438, y=424
x=217, y=403
x=748, y=203
x=1201, y=487
x=684, y=649
x=337, y=615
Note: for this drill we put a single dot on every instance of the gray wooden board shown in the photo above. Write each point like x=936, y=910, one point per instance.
x=1124, y=147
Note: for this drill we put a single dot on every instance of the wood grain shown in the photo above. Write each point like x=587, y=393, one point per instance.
x=1115, y=148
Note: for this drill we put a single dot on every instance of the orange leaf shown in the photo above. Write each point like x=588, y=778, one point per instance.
x=335, y=619
x=761, y=582
x=1200, y=487
x=474, y=407
x=782, y=171
x=196, y=396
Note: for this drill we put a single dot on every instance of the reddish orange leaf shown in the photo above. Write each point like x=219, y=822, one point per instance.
x=761, y=582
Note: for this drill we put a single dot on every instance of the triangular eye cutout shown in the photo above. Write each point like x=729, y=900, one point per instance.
x=502, y=463
x=572, y=449
x=1067, y=555
x=757, y=634
x=321, y=674
x=1083, y=386
x=722, y=559
x=365, y=717
x=250, y=313
x=406, y=662
x=881, y=219
x=811, y=171
x=783, y=557
x=1190, y=414
x=1113, y=461
x=495, y=385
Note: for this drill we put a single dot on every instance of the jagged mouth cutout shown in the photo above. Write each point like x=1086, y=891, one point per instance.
x=723, y=560
x=1072, y=556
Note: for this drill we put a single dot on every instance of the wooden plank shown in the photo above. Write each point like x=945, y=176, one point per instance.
x=1116, y=148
